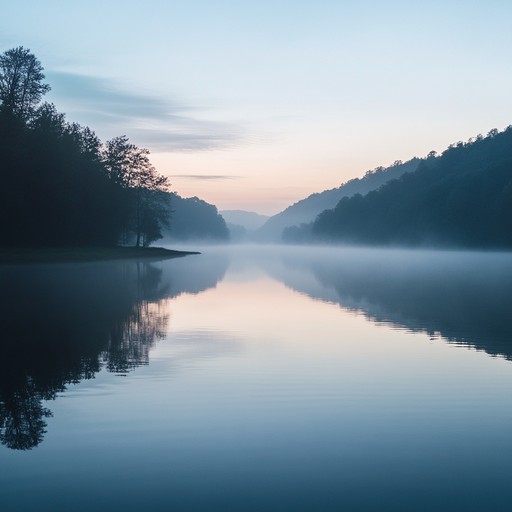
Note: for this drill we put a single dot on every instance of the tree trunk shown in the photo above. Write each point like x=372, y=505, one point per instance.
x=137, y=220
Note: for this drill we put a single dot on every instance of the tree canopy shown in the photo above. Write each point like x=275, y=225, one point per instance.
x=21, y=82
x=60, y=184
x=129, y=167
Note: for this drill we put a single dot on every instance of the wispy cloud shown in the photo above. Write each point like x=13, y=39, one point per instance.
x=160, y=124
x=207, y=176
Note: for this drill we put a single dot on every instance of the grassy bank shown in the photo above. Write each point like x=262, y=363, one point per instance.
x=76, y=254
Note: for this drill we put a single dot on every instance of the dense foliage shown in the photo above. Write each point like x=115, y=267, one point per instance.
x=60, y=185
x=462, y=198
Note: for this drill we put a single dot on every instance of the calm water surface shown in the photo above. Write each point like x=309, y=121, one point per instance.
x=256, y=380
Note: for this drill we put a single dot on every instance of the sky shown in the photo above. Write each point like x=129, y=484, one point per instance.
x=256, y=105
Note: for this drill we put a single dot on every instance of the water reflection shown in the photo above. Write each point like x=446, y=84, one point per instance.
x=63, y=323
x=464, y=297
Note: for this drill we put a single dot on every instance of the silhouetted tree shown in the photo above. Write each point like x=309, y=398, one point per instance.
x=21, y=82
x=154, y=215
x=129, y=166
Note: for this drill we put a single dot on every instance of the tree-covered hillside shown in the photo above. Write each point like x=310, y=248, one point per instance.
x=195, y=219
x=307, y=209
x=462, y=198
x=61, y=186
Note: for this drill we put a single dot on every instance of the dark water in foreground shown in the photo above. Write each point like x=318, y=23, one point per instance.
x=258, y=380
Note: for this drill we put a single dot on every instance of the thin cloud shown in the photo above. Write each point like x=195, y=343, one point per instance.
x=174, y=140
x=207, y=176
x=154, y=122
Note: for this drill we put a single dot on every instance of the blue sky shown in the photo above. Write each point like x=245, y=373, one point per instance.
x=255, y=105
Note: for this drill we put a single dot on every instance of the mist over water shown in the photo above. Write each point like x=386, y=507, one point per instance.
x=461, y=296
x=258, y=378
x=464, y=297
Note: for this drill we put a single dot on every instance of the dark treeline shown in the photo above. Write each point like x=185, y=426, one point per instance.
x=60, y=185
x=462, y=198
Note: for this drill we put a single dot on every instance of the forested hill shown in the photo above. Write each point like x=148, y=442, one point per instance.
x=307, y=209
x=62, y=186
x=195, y=219
x=462, y=198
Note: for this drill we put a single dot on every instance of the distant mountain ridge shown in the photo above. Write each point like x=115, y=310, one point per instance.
x=246, y=219
x=306, y=210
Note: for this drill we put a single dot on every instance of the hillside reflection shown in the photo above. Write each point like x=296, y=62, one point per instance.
x=63, y=323
x=466, y=298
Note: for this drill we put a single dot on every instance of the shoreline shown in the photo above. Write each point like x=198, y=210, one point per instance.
x=20, y=256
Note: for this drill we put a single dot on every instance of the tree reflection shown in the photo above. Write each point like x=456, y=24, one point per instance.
x=465, y=297
x=77, y=319
x=63, y=323
x=131, y=339
x=22, y=414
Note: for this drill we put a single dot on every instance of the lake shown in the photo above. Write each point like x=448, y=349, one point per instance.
x=258, y=379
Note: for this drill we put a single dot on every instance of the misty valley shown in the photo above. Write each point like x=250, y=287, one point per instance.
x=255, y=256
x=258, y=378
